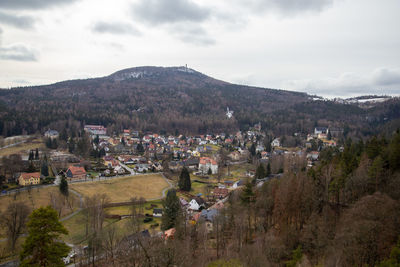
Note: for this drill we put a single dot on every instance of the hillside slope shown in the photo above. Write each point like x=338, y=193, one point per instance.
x=173, y=99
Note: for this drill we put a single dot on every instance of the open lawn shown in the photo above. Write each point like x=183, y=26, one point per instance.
x=123, y=189
x=76, y=225
x=40, y=197
x=30, y=145
x=126, y=210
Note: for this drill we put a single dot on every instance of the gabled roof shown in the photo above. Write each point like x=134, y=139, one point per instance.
x=160, y=211
x=209, y=214
x=199, y=200
x=29, y=175
x=76, y=170
x=183, y=201
x=207, y=160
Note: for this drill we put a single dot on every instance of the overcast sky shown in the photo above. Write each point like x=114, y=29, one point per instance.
x=333, y=48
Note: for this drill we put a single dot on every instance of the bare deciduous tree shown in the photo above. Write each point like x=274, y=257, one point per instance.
x=14, y=220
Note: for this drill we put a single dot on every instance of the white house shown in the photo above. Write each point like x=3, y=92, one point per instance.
x=51, y=134
x=206, y=164
x=196, y=204
x=321, y=130
x=157, y=212
x=237, y=184
x=275, y=142
x=118, y=169
x=259, y=148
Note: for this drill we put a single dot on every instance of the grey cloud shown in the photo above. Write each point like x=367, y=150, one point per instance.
x=114, y=28
x=285, y=6
x=22, y=22
x=191, y=33
x=32, y=4
x=18, y=52
x=21, y=81
x=386, y=76
x=169, y=11
x=379, y=81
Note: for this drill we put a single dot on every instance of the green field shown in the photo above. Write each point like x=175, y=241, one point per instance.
x=123, y=189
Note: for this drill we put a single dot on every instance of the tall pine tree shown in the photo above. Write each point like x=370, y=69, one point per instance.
x=171, y=210
x=64, y=186
x=184, y=180
x=44, y=170
x=43, y=246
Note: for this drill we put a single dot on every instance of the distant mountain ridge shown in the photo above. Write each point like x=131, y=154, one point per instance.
x=167, y=99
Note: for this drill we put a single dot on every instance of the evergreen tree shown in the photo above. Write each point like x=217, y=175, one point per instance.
x=268, y=173
x=43, y=246
x=96, y=140
x=64, y=186
x=171, y=209
x=268, y=146
x=247, y=196
x=102, y=152
x=37, y=154
x=31, y=156
x=64, y=135
x=44, y=170
x=184, y=180
x=83, y=145
x=209, y=172
x=71, y=145
x=31, y=167
x=260, y=172
x=54, y=144
x=253, y=149
x=49, y=143
x=140, y=148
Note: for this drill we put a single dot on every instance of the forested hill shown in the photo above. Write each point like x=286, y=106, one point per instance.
x=166, y=100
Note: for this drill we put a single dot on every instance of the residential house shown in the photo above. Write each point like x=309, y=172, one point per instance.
x=228, y=183
x=183, y=202
x=95, y=129
x=131, y=241
x=197, y=203
x=235, y=155
x=29, y=178
x=51, y=134
x=275, y=142
x=175, y=165
x=220, y=193
x=142, y=167
x=119, y=170
x=259, y=148
x=219, y=205
x=209, y=215
x=76, y=172
x=206, y=164
x=169, y=234
x=192, y=163
x=157, y=212
x=238, y=183
x=320, y=130
x=264, y=155
x=313, y=155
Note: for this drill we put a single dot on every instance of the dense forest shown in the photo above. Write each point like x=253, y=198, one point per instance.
x=171, y=100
